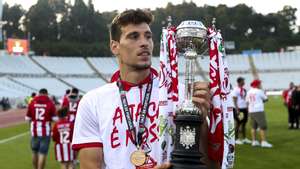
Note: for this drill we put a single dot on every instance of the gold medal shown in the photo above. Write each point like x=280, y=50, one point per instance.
x=138, y=158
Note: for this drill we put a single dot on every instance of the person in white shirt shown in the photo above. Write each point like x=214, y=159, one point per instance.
x=240, y=111
x=255, y=99
x=108, y=116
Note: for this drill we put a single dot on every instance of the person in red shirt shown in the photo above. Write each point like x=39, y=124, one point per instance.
x=40, y=113
x=65, y=95
x=72, y=102
x=62, y=136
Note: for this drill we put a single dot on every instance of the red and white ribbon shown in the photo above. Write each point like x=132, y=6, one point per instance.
x=168, y=86
x=221, y=128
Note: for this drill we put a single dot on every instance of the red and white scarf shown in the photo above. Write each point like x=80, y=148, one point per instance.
x=169, y=63
x=168, y=82
x=221, y=127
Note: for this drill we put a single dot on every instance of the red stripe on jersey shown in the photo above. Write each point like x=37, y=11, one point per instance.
x=77, y=147
x=34, y=129
x=62, y=152
x=44, y=132
x=69, y=153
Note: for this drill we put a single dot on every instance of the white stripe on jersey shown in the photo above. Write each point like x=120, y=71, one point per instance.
x=31, y=128
x=66, y=152
x=39, y=129
x=58, y=153
x=71, y=153
x=48, y=129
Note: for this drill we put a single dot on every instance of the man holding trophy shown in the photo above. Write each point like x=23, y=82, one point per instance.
x=123, y=125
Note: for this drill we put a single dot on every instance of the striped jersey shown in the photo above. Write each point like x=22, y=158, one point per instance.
x=71, y=102
x=62, y=136
x=41, y=111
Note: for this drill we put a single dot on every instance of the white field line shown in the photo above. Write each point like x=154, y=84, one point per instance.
x=13, y=137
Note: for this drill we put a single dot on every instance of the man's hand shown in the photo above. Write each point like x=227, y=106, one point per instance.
x=163, y=166
x=201, y=96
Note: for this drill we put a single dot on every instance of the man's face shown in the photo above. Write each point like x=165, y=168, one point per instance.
x=242, y=83
x=134, y=49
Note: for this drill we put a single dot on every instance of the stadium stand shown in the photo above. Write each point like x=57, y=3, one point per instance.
x=105, y=65
x=18, y=65
x=279, y=80
x=238, y=63
x=54, y=86
x=277, y=61
x=65, y=65
x=85, y=84
x=11, y=89
x=20, y=76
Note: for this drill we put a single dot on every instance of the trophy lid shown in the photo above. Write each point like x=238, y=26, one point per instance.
x=191, y=34
x=191, y=24
x=191, y=28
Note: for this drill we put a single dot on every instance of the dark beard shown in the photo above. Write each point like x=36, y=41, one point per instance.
x=141, y=67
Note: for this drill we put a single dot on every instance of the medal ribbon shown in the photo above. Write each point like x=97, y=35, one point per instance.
x=137, y=139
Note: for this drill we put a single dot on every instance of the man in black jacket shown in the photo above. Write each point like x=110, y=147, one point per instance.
x=296, y=105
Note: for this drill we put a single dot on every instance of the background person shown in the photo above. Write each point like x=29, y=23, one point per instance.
x=40, y=113
x=255, y=99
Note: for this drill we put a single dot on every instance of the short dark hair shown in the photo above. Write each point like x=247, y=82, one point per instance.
x=127, y=17
x=74, y=90
x=43, y=91
x=62, y=112
x=68, y=91
x=240, y=79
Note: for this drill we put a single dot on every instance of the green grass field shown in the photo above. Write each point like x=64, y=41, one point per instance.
x=16, y=154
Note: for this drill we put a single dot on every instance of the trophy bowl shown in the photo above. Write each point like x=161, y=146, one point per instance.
x=191, y=35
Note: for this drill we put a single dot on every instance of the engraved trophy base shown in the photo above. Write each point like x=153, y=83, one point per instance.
x=186, y=153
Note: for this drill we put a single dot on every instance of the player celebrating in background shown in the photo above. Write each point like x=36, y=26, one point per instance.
x=41, y=111
x=71, y=101
x=255, y=99
x=62, y=136
x=241, y=112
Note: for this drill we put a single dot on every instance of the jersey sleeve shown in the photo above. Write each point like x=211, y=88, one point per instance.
x=71, y=130
x=52, y=110
x=247, y=97
x=65, y=102
x=86, y=129
x=55, y=134
x=263, y=95
x=28, y=116
x=234, y=92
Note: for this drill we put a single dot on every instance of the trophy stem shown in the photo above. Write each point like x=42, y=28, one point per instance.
x=189, y=78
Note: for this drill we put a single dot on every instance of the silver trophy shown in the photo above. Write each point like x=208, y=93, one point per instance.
x=191, y=42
